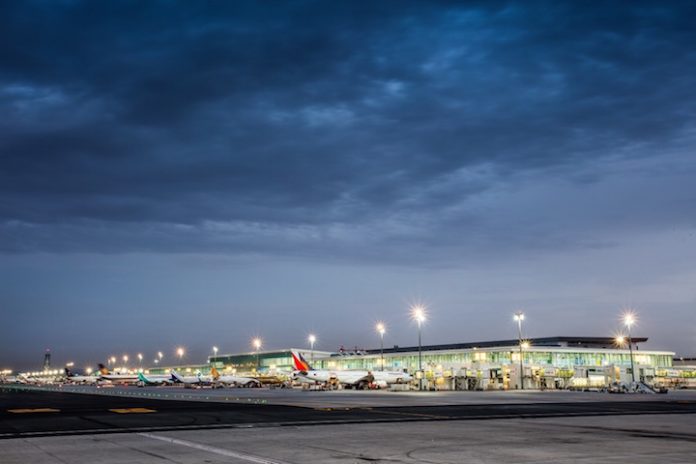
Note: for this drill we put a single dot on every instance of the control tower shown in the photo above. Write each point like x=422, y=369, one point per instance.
x=47, y=360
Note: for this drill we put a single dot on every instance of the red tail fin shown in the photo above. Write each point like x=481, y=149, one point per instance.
x=300, y=363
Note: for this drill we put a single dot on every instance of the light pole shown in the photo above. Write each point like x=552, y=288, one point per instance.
x=311, y=340
x=140, y=359
x=418, y=314
x=257, y=344
x=125, y=361
x=519, y=317
x=381, y=330
x=180, y=353
x=629, y=319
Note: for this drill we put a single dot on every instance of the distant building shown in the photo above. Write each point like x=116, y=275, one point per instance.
x=269, y=361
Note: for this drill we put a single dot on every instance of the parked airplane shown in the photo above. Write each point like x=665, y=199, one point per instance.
x=104, y=374
x=144, y=380
x=233, y=380
x=84, y=379
x=191, y=380
x=383, y=379
x=350, y=378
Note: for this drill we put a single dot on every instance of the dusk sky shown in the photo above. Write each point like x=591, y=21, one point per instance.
x=200, y=173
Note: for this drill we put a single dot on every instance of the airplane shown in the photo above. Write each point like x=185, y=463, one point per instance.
x=360, y=379
x=191, y=380
x=84, y=379
x=385, y=378
x=104, y=374
x=233, y=380
x=304, y=372
x=144, y=380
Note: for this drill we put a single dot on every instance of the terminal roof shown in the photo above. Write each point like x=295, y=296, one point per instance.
x=579, y=342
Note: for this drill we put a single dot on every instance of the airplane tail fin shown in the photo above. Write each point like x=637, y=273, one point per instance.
x=299, y=361
x=141, y=377
x=67, y=372
x=214, y=373
x=103, y=370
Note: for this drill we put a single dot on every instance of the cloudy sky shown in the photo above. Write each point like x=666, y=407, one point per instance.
x=201, y=173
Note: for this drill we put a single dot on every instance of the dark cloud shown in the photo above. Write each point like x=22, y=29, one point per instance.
x=296, y=126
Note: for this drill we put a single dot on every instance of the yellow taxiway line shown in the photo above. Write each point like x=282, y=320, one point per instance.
x=29, y=411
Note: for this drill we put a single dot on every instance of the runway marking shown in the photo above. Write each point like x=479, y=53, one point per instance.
x=29, y=411
x=214, y=450
x=132, y=410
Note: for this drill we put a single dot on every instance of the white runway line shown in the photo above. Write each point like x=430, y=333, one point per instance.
x=214, y=450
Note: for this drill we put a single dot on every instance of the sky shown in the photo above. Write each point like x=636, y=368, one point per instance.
x=200, y=173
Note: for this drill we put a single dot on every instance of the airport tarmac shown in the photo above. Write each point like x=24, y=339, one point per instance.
x=41, y=426
x=665, y=439
x=361, y=398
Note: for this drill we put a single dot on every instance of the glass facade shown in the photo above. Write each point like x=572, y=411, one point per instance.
x=563, y=358
x=268, y=361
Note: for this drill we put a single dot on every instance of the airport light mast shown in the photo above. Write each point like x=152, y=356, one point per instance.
x=257, y=345
x=519, y=317
x=381, y=330
x=418, y=314
x=629, y=319
x=311, y=340
x=180, y=353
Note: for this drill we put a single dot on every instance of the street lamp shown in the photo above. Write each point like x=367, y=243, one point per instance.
x=519, y=317
x=215, y=351
x=629, y=319
x=381, y=330
x=257, y=344
x=140, y=359
x=418, y=315
x=113, y=360
x=180, y=353
x=311, y=340
x=160, y=355
x=125, y=360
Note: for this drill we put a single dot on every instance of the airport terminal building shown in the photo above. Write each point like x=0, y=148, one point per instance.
x=551, y=362
x=271, y=362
